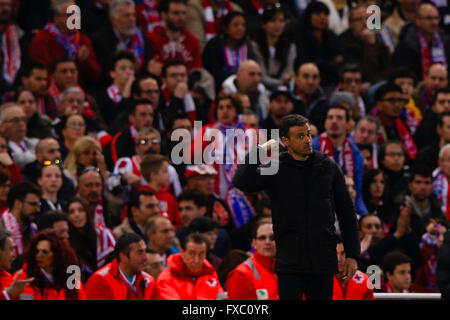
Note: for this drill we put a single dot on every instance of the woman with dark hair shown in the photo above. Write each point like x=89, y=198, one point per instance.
x=273, y=51
x=47, y=260
x=50, y=180
x=316, y=43
x=92, y=243
x=224, y=53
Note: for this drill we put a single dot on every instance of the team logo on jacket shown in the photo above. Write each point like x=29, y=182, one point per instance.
x=262, y=294
x=211, y=282
x=358, y=278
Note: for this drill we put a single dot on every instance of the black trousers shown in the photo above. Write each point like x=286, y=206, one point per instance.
x=314, y=287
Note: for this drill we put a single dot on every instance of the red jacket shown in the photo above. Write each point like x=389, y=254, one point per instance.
x=356, y=288
x=253, y=279
x=5, y=282
x=45, y=49
x=168, y=205
x=32, y=292
x=177, y=283
x=109, y=284
x=186, y=48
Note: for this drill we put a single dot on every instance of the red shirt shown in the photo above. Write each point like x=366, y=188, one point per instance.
x=168, y=205
x=355, y=289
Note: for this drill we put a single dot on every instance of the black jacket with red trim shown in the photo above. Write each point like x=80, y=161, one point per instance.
x=122, y=145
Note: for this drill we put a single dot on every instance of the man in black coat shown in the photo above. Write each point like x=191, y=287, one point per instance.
x=306, y=192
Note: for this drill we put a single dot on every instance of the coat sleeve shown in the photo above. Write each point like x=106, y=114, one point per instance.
x=239, y=287
x=98, y=289
x=248, y=177
x=345, y=212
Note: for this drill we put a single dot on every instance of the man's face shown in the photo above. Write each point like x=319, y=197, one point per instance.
x=72, y=104
x=162, y=176
x=442, y=103
x=175, y=75
x=436, y=78
x=149, y=207
x=150, y=91
x=428, y=19
x=162, y=239
x=392, y=104
x=319, y=20
x=407, y=85
x=175, y=18
x=90, y=187
x=125, y=20
x=281, y=106
x=14, y=124
x=137, y=258
x=366, y=132
x=336, y=123
x=421, y=187
x=148, y=143
x=66, y=75
x=357, y=23
x=249, y=78
x=155, y=264
x=226, y=112
x=194, y=255
x=203, y=183
x=124, y=69
x=30, y=206
x=264, y=242
x=372, y=226
x=340, y=252
x=60, y=19
x=250, y=120
x=7, y=255
x=37, y=81
x=444, y=163
x=5, y=11
x=189, y=211
x=142, y=117
x=351, y=82
x=444, y=132
x=61, y=229
x=300, y=140
x=394, y=158
x=401, y=277
x=27, y=102
x=308, y=79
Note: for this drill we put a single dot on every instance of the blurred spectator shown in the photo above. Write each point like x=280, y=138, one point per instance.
x=335, y=144
x=47, y=261
x=397, y=272
x=339, y=15
x=161, y=237
x=176, y=281
x=204, y=18
x=148, y=17
x=367, y=153
x=57, y=41
x=351, y=80
x=14, y=129
x=50, y=181
x=346, y=100
x=38, y=125
x=421, y=44
x=56, y=221
x=5, y=186
x=443, y=268
x=247, y=81
x=273, y=51
x=192, y=204
x=250, y=119
x=319, y=44
x=95, y=15
x=233, y=258
x=441, y=176
x=124, y=278
x=310, y=97
x=6, y=162
x=72, y=127
x=155, y=264
x=92, y=243
x=173, y=41
x=255, y=279
x=224, y=53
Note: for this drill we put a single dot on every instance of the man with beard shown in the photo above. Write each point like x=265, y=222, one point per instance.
x=10, y=58
x=173, y=41
x=23, y=203
x=335, y=144
x=306, y=193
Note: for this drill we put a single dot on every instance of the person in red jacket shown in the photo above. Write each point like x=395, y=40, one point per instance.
x=56, y=40
x=123, y=278
x=154, y=169
x=254, y=279
x=9, y=289
x=356, y=288
x=189, y=276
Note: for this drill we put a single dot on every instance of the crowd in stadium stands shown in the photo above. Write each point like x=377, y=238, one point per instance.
x=90, y=121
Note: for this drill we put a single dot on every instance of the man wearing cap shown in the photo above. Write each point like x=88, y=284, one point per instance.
x=201, y=176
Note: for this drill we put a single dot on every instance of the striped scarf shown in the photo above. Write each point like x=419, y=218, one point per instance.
x=233, y=58
x=433, y=54
x=105, y=244
x=213, y=22
x=12, y=225
x=114, y=93
x=135, y=44
x=346, y=159
x=151, y=14
x=441, y=190
x=11, y=55
x=70, y=43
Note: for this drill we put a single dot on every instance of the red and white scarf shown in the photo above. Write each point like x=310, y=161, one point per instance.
x=441, y=190
x=99, y=219
x=135, y=43
x=213, y=21
x=114, y=93
x=430, y=56
x=70, y=43
x=10, y=53
x=405, y=138
x=233, y=58
x=105, y=244
x=12, y=225
x=258, y=7
x=55, y=93
x=346, y=159
x=151, y=14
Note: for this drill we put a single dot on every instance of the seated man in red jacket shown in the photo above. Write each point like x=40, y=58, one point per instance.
x=189, y=276
x=254, y=279
x=123, y=278
x=9, y=289
x=356, y=288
